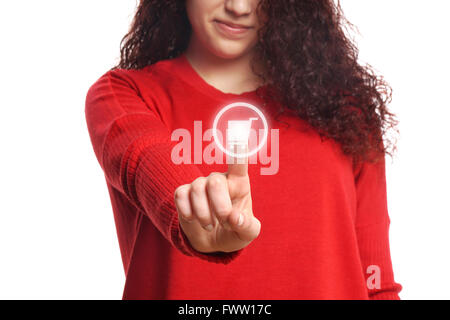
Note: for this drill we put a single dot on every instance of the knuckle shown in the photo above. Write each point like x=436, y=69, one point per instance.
x=198, y=185
x=202, y=215
x=181, y=192
x=182, y=217
x=223, y=211
x=215, y=180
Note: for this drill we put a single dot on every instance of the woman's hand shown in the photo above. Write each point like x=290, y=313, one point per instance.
x=215, y=212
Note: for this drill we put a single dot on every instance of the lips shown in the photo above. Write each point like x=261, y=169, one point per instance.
x=231, y=30
x=233, y=25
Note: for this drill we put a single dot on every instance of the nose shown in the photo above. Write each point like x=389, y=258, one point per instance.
x=239, y=7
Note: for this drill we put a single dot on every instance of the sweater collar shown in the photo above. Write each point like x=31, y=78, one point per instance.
x=188, y=74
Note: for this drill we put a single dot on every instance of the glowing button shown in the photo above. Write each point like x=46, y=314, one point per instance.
x=239, y=131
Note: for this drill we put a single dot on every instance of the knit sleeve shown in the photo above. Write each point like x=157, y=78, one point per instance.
x=372, y=229
x=133, y=147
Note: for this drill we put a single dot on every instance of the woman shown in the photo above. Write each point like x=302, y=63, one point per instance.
x=315, y=229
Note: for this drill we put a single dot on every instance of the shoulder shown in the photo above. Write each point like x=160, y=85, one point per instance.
x=151, y=74
x=149, y=80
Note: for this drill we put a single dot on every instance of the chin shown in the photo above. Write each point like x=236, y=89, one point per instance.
x=227, y=51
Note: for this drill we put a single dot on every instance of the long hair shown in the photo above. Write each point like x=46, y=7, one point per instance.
x=309, y=62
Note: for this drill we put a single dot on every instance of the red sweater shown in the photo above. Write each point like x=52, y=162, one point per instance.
x=324, y=220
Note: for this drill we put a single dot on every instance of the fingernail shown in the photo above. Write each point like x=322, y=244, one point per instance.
x=209, y=227
x=241, y=219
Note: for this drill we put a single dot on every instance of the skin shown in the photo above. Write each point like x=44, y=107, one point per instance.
x=223, y=62
x=215, y=212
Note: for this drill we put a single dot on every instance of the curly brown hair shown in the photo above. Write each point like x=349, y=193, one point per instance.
x=310, y=63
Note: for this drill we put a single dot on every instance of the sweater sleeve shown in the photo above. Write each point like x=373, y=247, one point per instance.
x=133, y=148
x=372, y=229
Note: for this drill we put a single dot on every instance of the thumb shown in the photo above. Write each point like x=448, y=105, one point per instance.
x=246, y=225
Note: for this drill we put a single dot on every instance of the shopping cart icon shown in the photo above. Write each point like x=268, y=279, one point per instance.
x=238, y=132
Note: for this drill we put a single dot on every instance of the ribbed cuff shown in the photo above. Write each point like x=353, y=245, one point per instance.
x=374, y=249
x=387, y=295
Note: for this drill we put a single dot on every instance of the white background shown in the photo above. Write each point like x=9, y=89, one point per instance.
x=57, y=233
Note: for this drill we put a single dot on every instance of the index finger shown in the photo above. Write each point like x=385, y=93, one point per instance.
x=238, y=166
